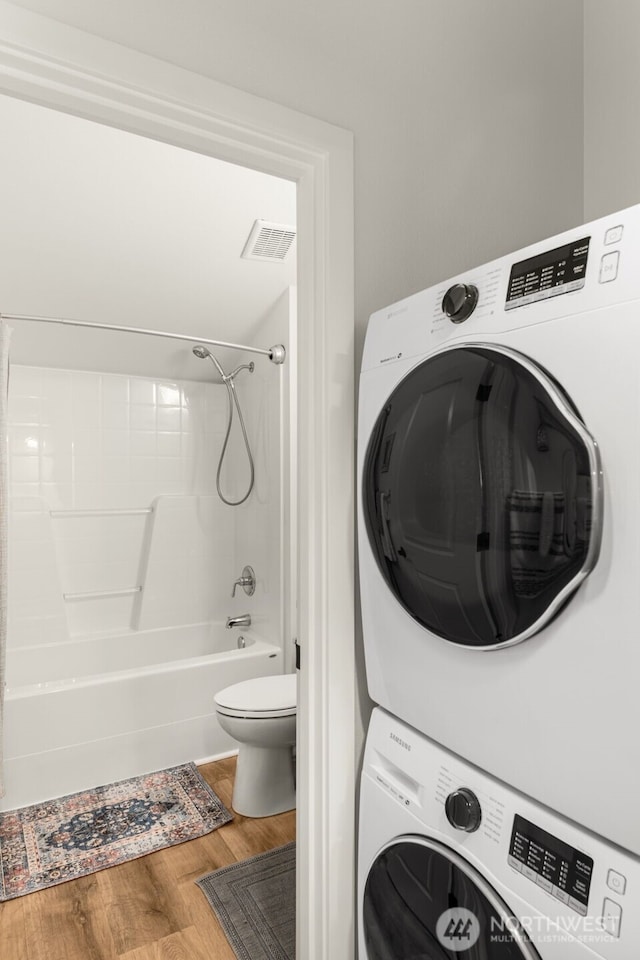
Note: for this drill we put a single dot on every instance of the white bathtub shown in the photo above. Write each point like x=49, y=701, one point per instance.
x=87, y=712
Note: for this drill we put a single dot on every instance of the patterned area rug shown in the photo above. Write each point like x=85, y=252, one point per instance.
x=255, y=902
x=73, y=836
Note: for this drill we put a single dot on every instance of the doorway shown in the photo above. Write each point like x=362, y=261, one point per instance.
x=44, y=62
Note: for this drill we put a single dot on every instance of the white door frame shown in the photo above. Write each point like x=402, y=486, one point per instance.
x=57, y=66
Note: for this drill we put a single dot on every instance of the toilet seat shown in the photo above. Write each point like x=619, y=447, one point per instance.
x=262, y=697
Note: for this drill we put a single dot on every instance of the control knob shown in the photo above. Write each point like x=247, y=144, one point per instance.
x=460, y=301
x=463, y=810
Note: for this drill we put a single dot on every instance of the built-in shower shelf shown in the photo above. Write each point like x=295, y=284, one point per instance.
x=101, y=594
x=113, y=512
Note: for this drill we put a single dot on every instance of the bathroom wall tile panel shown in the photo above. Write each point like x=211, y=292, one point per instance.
x=142, y=416
x=169, y=444
x=168, y=394
x=116, y=470
x=184, y=528
x=109, y=615
x=90, y=458
x=25, y=381
x=57, y=397
x=25, y=469
x=115, y=443
x=115, y=389
x=85, y=397
x=169, y=419
x=26, y=410
x=141, y=390
x=34, y=587
x=24, y=440
x=143, y=443
x=115, y=416
x=86, y=442
x=32, y=630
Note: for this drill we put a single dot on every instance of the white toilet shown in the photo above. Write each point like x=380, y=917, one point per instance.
x=261, y=715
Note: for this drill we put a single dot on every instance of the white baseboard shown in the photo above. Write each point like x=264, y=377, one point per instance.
x=216, y=756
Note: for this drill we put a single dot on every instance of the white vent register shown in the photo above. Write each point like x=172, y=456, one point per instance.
x=269, y=241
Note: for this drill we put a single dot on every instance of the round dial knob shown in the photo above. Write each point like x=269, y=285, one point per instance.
x=460, y=301
x=463, y=810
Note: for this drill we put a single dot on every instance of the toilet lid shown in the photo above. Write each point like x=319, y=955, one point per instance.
x=267, y=695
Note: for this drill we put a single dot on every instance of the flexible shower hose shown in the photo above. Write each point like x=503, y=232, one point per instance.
x=233, y=398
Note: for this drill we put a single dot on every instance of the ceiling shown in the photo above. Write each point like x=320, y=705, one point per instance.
x=106, y=226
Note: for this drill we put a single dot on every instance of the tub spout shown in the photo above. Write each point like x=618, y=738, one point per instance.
x=243, y=621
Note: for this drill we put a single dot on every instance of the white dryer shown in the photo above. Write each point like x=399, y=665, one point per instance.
x=499, y=518
x=453, y=864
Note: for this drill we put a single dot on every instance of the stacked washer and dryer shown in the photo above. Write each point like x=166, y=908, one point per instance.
x=499, y=539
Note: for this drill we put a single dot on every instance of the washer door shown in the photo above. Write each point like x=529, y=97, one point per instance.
x=422, y=901
x=482, y=496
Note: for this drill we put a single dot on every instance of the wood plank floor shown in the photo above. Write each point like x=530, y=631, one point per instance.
x=147, y=909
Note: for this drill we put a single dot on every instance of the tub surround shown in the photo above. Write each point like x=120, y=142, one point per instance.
x=120, y=575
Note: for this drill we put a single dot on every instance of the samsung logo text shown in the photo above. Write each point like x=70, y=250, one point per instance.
x=401, y=743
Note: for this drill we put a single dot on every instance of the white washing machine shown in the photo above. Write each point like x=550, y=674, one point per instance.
x=453, y=864
x=499, y=518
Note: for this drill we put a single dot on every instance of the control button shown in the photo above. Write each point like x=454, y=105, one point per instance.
x=577, y=906
x=613, y=234
x=545, y=884
x=609, y=266
x=460, y=301
x=615, y=881
x=612, y=916
x=529, y=873
x=516, y=864
x=463, y=810
x=561, y=895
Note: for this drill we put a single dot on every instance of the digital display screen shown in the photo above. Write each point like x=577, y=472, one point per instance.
x=555, y=866
x=549, y=274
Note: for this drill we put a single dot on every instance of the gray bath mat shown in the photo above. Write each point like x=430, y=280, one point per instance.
x=255, y=902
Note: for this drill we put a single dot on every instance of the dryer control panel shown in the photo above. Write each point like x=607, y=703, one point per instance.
x=548, y=274
x=594, y=264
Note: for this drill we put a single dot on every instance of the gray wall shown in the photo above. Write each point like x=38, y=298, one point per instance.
x=467, y=114
x=611, y=106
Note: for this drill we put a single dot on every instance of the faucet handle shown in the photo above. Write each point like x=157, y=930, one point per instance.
x=247, y=581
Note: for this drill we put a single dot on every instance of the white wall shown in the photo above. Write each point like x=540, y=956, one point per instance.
x=467, y=116
x=83, y=441
x=611, y=98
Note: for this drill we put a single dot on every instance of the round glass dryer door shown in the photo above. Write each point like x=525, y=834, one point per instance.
x=482, y=496
x=422, y=901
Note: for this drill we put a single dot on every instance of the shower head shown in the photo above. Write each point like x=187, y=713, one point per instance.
x=202, y=353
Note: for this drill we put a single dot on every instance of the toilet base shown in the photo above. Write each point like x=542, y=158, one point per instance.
x=264, y=784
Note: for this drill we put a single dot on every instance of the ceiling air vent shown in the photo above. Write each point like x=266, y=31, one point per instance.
x=269, y=241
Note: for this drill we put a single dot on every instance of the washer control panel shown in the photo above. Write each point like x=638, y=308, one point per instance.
x=572, y=883
x=554, y=865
